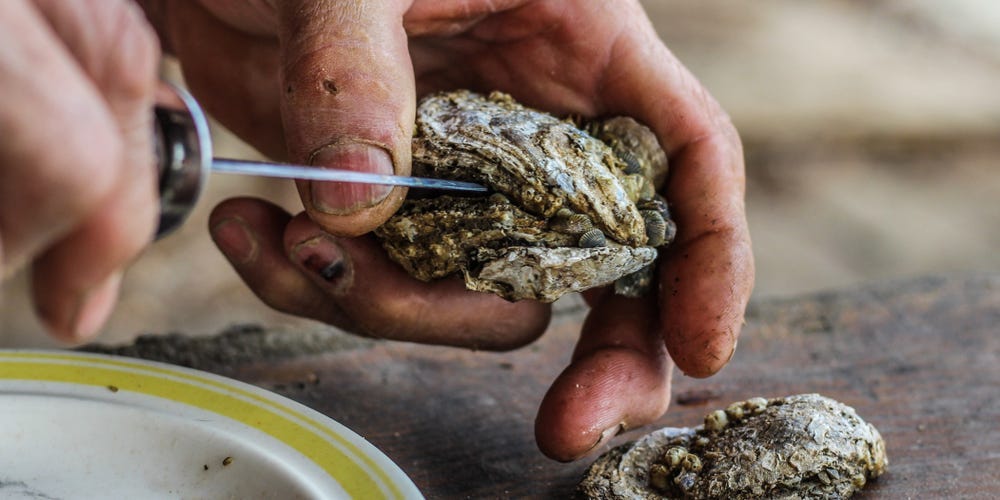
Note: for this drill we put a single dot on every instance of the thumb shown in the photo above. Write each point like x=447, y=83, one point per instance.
x=348, y=103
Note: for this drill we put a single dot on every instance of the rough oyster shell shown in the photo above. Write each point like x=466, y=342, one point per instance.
x=539, y=161
x=570, y=212
x=803, y=446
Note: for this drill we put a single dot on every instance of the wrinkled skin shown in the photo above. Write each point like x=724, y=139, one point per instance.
x=587, y=57
x=342, y=80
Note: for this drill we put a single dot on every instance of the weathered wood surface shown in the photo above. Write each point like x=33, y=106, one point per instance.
x=918, y=359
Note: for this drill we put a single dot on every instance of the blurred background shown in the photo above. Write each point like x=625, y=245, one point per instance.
x=872, y=138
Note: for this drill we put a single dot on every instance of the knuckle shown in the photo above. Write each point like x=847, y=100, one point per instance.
x=85, y=167
x=275, y=293
x=122, y=242
x=55, y=174
x=133, y=52
x=120, y=229
x=95, y=154
x=137, y=67
x=112, y=41
x=727, y=131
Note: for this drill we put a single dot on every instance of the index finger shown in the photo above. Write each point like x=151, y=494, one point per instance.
x=706, y=275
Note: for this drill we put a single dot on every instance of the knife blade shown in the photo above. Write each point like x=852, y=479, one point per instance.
x=184, y=161
x=289, y=171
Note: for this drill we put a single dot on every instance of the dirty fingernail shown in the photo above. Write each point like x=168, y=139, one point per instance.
x=344, y=198
x=233, y=237
x=95, y=307
x=325, y=260
x=607, y=436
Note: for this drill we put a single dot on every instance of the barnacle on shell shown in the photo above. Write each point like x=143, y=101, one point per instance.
x=566, y=213
x=656, y=227
x=592, y=239
x=804, y=446
x=567, y=221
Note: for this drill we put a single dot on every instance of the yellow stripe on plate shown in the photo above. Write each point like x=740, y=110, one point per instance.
x=263, y=415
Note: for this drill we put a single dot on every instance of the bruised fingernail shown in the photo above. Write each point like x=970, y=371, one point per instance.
x=325, y=260
x=344, y=198
x=95, y=307
x=233, y=237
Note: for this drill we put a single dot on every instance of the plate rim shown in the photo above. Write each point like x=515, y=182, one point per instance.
x=363, y=470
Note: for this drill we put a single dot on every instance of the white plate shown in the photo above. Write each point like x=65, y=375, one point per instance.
x=78, y=425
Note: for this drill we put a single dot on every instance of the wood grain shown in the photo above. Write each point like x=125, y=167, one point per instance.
x=918, y=359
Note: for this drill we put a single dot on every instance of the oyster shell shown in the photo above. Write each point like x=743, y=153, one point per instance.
x=570, y=211
x=803, y=446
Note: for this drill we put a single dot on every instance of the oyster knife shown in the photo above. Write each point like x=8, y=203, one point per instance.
x=268, y=169
x=184, y=160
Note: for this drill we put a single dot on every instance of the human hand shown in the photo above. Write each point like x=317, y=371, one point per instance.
x=78, y=193
x=333, y=73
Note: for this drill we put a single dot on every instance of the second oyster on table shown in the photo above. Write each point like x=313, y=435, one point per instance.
x=795, y=447
x=570, y=212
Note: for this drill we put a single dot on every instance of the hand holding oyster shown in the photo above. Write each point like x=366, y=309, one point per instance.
x=572, y=209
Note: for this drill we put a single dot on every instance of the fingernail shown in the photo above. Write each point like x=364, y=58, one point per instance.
x=95, y=307
x=607, y=436
x=344, y=198
x=233, y=238
x=327, y=262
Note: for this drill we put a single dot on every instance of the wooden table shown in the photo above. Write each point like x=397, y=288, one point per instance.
x=918, y=359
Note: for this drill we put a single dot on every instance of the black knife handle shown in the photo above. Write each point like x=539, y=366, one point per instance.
x=183, y=154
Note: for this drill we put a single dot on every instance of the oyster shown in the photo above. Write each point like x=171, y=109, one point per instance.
x=804, y=446
x=572, y=208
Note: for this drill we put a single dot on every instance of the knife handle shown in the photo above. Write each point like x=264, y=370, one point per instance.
x=183, y=154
